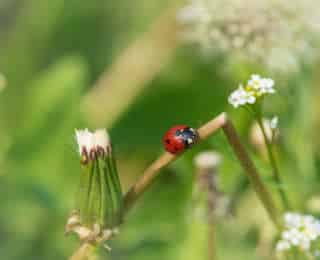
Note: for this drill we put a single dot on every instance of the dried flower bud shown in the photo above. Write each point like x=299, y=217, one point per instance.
x=207, y=160
x=207, y=199
x=99, y=200
x=72, y=222
x=92, y=145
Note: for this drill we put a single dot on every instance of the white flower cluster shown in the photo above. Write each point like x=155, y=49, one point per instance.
x=91, y=142
x=300, y=231
x=274, y=33
x=255, y=88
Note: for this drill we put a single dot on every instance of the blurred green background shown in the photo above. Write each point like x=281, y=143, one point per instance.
x=52, y=53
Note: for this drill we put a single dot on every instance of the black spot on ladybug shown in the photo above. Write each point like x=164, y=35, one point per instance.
x=168, y=141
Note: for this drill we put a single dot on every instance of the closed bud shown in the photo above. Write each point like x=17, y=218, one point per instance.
x=272, y=133
x=99, y=202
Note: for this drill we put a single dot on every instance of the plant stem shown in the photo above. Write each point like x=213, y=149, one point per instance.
x=141, y=61
x=206, y=183
x=212, y=194
x=274, y=165
x=252, y=172
x=205, y=131
x=153, y=170
x=212, y=241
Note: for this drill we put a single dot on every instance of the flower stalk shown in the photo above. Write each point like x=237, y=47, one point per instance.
x=207, y=193
x=274, y=165
x=99, y=202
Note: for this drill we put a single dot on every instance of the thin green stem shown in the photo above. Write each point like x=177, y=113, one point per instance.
x=274, y=165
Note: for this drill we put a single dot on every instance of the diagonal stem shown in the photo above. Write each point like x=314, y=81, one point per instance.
x=251, y=172
x=153, y=170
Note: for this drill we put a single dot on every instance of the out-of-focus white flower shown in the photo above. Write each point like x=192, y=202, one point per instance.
x=283, y=245
x=261, y=85
x=91, y=143
x=278, y=34
x=207, y=160
x=193, y=12
x=274, y=123
x=255, y=88
x=241, y=97
x=299, y=231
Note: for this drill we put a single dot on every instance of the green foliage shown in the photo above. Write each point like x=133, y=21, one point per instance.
x=51, y=53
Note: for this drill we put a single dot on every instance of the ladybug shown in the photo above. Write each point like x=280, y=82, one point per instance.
x=179, y=138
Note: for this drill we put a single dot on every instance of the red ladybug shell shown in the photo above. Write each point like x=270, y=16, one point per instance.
x=178, y=138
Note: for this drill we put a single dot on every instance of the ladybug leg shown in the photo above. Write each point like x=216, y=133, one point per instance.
x=188, y=142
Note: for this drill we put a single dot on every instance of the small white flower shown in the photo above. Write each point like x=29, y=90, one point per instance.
x=294, y=236
x=283, y=245
x=274, y=123
x=305, y=243
x=255, y=81
x=241, y=97
x=261, y=85
x=300, y=231
x=292, y=220
x=255, y=88
x=266, y=86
